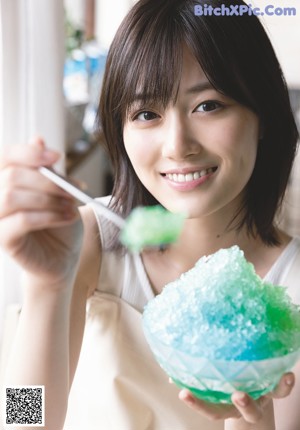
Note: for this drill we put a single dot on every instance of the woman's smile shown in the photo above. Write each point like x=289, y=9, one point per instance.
x=188, y=178
x=197, y=154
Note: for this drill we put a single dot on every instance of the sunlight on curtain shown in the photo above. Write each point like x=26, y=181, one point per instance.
x=31, y=97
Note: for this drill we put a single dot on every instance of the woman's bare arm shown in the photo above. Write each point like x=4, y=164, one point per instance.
x=41, y=229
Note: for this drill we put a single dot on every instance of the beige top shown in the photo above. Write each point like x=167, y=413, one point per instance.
x=118, y=384
x=130, y=282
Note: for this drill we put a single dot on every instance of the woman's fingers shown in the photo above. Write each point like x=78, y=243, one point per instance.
x=243, y=405
x=37, y=141
x=25, y=189
x=28, y=201
x=40, y=225
x=285, y=386
x=31, y=200
x=21, y=178
x=212, y=411
x=33, y=155
x=251, y=411
x=14, y=228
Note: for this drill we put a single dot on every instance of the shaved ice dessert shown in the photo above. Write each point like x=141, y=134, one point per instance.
x=151, y=226
x=220, y=328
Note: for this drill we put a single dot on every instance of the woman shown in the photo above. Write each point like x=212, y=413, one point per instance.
x=196, y=116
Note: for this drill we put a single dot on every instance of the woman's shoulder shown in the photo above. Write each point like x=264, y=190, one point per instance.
x=292, y=250
x=289, y=249
x=296, y=242
x=91, y=252
x=104, y=259
x=295, y=251
x=108, y=232
x=292, y=269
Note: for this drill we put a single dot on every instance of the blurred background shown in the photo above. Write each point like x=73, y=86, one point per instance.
x=52, y=57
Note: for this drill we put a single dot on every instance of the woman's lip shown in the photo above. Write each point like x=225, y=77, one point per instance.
x=189, y=185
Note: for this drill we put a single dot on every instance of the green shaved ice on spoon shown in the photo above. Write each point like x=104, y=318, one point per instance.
x=150, y=226
x=146, y=226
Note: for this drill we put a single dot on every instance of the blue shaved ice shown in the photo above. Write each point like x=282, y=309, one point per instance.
x=221, y=309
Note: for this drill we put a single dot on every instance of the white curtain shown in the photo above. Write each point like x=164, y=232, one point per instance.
x=31, y=97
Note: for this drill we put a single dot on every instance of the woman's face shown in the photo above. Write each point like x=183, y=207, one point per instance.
x=197, y=155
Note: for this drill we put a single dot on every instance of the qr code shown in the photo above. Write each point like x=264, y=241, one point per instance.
x=25, y=406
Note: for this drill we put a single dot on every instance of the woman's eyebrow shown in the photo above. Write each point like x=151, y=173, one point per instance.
x=140, y=98
x=195, y=89
x=202, y=86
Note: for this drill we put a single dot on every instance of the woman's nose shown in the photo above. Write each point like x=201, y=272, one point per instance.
x=179, y=141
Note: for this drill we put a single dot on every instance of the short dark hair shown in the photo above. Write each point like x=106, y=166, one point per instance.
x=238, y=59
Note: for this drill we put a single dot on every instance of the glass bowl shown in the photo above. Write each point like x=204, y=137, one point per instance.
x=215, y=380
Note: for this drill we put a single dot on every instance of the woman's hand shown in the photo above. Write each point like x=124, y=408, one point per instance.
x=243, y=407
x=40, y=226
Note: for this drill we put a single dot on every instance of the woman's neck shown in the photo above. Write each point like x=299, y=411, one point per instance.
x=198, y=239
x=203, y=238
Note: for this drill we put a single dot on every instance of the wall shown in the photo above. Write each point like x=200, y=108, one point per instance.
x=284, y=32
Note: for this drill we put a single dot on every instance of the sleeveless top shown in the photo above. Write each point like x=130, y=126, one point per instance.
x=118, y=384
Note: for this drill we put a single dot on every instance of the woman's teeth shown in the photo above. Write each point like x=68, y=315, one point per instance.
x=179, y=177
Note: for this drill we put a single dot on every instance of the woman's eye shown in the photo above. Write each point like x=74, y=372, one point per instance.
x=145, y=116
x=208, y=106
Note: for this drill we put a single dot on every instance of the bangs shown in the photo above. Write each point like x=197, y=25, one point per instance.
x=151, y=72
